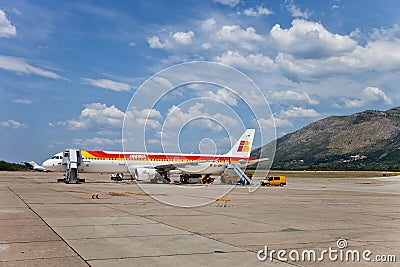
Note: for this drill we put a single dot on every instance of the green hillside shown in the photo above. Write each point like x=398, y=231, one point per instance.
x=366, y=140
x=6, y=166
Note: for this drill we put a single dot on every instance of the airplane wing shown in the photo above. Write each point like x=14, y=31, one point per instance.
x=29, y=164
x=252, y=161
x=34, y=166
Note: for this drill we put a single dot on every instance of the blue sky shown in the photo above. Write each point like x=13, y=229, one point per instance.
x=68, y=69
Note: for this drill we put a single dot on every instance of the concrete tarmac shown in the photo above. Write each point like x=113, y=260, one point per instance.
x=103, y=223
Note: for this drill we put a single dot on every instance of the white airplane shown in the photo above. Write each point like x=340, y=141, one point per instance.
x=155, y=167
x=34, y=166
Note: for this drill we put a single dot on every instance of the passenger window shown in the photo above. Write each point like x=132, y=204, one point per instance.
x=276, y=178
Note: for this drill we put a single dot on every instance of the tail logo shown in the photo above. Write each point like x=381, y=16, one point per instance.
x=244, y=146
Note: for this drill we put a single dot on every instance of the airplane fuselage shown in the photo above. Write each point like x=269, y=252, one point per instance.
x=123, y=162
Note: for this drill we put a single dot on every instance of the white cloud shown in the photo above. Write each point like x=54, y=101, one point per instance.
x=148, y=117
x=299, y=112
x=296, y=11
x=230, y=3
x=369, y=96
x=20, y=66
x=96, y=141
x=12, y=10
x=12, y=124
x=290, y=95
x=154, y=42
x=307, y=39
x=257, y=11
x=23, y=101
x=183, y=38
x=107, y=84
x=310, y=69
x=377, y=56
x=108, y=132
x=252, y=61
x=208, y=24
x=271, y=122
x=6, y=29
x=177, y=118
x=153, y=142
x=386, y=34
x=163, y=82
x=222, y=95
x=175, y=39
x=206, y=46
x=245, y=39
x=303, y=57
x=96, y=115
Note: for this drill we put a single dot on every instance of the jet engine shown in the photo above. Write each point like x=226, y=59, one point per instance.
x=146, y=173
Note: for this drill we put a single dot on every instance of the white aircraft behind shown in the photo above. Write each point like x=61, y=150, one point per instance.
x=157, y=166
x=34, y=166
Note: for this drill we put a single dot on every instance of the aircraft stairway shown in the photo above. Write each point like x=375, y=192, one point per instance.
x=244, y=179
x=72, y=159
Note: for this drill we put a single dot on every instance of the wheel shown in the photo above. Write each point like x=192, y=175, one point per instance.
x=184, y=178
x=67, y=178
x=268, y=184
x=281, y=184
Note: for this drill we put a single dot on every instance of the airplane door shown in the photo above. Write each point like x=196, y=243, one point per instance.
x=122, y=160
x=122, y=164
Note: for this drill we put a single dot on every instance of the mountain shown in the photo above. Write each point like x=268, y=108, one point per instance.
x=365, y=140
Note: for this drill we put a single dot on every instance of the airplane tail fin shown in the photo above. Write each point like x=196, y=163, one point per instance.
x=30, y=164
x=242, y=148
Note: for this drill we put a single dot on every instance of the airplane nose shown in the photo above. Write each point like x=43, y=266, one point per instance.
x=47, y=164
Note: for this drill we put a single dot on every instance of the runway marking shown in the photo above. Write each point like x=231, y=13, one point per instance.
x=73, y=191
x=115, y=194
x=51, y=228
x=138, y=193
x=223, y=199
